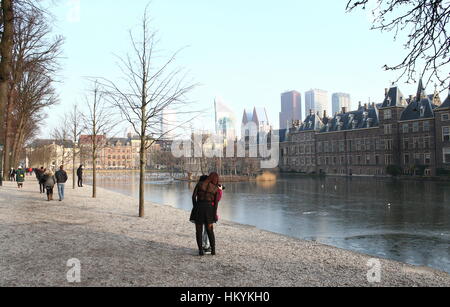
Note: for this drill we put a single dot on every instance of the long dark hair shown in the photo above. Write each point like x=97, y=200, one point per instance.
x=213, y=179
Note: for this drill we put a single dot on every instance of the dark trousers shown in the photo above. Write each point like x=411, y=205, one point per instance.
x=41, y=188
x=49, y=191
x=80, y=182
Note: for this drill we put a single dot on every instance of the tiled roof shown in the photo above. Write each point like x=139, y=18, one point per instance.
x=420, y=107
x=311, y=123
x=446, y=103
x=360, y=119
x=394, y=98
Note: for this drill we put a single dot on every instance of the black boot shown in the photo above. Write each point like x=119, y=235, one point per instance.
x=199, y=236
x=212, y=240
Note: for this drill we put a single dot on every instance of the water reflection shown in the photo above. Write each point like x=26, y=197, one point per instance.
x=408, y=221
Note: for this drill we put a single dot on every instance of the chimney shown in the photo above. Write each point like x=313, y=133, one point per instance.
x=359, y=105
x=325, y=114
x=344, y=110
x=310, y=112
x=386, y=91
x=365, y=106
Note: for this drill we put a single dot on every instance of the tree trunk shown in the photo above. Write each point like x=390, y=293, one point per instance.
x=9, y=135
x=6, y=48
x=94, y=174
x=142, y=182
x=74, y=167
x=16, y=144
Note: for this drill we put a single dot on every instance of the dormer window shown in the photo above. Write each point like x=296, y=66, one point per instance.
x=422, y=111
x=354, y=123
x=387, y=114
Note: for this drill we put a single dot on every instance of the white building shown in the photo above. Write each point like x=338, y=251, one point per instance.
x=168, y=124
x=339, y=101
x=316, y=101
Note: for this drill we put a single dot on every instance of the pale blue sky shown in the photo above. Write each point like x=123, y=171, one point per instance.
x=247, y=52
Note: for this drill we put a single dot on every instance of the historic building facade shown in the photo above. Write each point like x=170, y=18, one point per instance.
x=409, y=136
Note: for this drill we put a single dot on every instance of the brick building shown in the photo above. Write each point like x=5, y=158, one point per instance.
x=408, y=135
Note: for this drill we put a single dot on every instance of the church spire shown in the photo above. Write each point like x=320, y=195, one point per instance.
x=420, y=91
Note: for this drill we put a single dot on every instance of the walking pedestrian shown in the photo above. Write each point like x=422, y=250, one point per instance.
x=49, y=183
x=205, y=194
x=20, y=177
x=12, y=175
x=80, y=176
x=40, y=178
x=61, y=179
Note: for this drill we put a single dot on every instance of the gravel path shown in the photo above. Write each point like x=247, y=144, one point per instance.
x=116, y=248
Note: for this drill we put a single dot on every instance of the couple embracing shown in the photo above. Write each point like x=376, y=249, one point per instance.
x=206, y=198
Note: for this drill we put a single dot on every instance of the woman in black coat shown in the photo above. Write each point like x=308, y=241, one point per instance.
x=206, y=194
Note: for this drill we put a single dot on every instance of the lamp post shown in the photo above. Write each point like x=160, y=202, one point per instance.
x=1, y=165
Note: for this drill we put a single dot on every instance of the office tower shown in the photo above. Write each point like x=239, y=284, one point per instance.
x=316, y=101
x=225, y=120
x=339, y=101
x=291, y=108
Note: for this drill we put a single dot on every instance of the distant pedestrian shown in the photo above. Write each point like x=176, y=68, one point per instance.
x=61, y=179
x=204, y=213
x=20, y=177
x=40, y=178
x=12, y=175
x=50, y=181
x=80, y=176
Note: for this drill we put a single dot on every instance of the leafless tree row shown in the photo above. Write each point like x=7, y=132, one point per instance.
x=30, y=57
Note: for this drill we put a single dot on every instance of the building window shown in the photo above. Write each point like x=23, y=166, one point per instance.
x=445, y=117
x=388, y=159
x=426, y=142
x=405, y=128
x=367, y=159
x=387, y=129
x=406, y=144
x=426, y=126
x=427, y=159
x=388, y=144
x=416, y=143
x=387, y=114
x=446, y=133
x=406, y=159
x=446, y=153
x=416, y=127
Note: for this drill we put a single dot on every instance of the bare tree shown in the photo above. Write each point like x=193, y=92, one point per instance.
x=33, y=66
x=149, y=89
x=74, y=122
x=427, y=25
x=98, y=122
x=6, y=53
x=61, y=134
